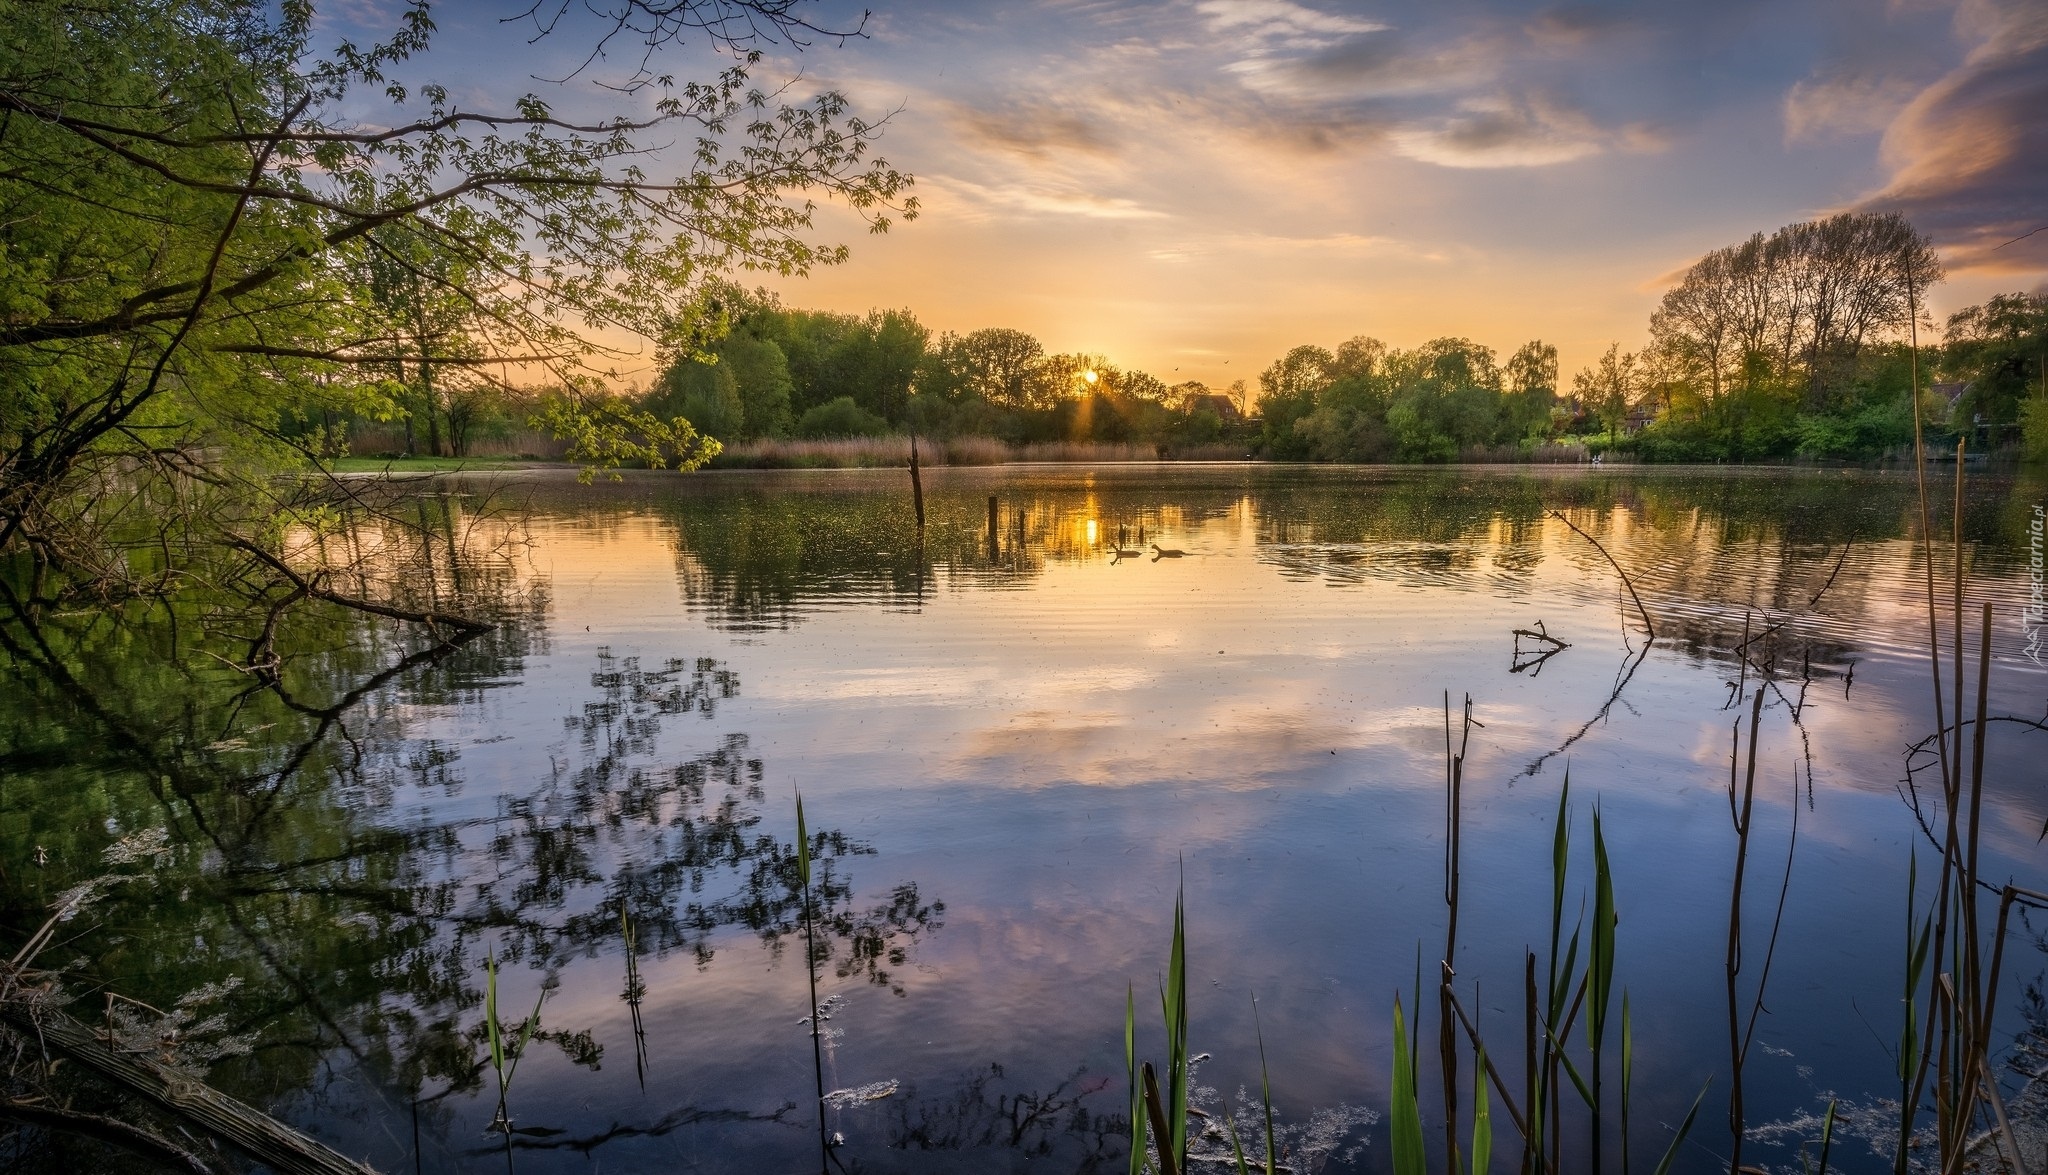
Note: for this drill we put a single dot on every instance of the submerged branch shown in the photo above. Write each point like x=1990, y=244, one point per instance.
x=1649, y=625
x=314, y=588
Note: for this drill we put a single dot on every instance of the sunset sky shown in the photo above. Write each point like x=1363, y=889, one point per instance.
x=1193, y=186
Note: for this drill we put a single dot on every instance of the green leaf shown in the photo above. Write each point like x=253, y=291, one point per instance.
x=1404, y=1121
x=1601, y=959
x=491, y=1014
x=803, y=846
x=1265, y=1090
x=1177, y=1035
x=1685, y=1127
x=1827, y=1138
x=1482, y=1118
x=1137, y=1096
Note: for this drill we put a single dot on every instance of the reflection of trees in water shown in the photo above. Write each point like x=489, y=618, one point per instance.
x=986, y=1111
x=761, y=557
x=623, y=828
x=752, y=560
x=356, y=934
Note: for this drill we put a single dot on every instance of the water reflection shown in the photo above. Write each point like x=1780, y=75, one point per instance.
x=324, y=855
x=1711, y=551
x=1038, y=729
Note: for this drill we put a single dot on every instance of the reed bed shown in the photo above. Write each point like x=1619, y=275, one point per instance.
x=386, y=440
x=859, y=453
x=1087, y=451
x=1547, y=453
x=892, y=452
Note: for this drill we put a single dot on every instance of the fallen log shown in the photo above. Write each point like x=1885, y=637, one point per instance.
x=182, y=1096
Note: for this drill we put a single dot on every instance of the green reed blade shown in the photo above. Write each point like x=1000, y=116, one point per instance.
x=1570, y=1070
x=1177, y=1033
x=1571, y=965
x=1601, y=958
x=1137, y=1096
x=1827, y=1138
x=1404, y=1124
x=1236, y=1146
x=1685, y=1127
x=525, y=1034
x=1482, y=1118
x=803, y=846
x=1414, y=1050
x=1916, y=963
x=1265, y=1089
x=1560, y=863
x=1628, y=1053
x=491, y=1015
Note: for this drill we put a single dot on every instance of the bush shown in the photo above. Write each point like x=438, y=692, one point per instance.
x=840, y=418
x=1862, y=435
x=2034, y=430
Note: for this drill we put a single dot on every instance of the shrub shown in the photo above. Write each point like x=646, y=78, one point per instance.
x=840, y=418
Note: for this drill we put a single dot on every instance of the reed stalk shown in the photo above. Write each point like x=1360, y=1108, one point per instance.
x=1600, y=971
x=803, y=879
x=1167, y=1111
x=1137, y=1095
x=1447, y=1040
x=504, y=1061
x=1733, y=964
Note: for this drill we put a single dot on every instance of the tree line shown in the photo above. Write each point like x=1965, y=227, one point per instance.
x=1797, y=343
x=1800, y=343
x=813, y=373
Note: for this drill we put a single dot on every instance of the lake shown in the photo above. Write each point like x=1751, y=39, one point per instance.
x=1015, y=748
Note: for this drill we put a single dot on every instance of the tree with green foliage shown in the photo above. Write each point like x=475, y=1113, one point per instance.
x=2000, y=349
x=1288, y=390
x=189, y=189
x=1443, y=397
x=996, y=364
x=1530, y=393
x=1804, y=302
x=1608, y=387
x=738, y=389
x=841, y=417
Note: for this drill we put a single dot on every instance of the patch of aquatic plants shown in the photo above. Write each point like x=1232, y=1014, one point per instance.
x=1950, y=962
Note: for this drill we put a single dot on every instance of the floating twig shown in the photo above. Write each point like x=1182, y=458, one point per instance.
x=1649, y=626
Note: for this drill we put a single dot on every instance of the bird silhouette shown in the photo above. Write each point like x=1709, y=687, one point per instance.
x=1159, y=552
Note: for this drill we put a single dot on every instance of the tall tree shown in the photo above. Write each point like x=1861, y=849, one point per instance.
x=1531, y=390
x=1805, y=300
x=1609, y=387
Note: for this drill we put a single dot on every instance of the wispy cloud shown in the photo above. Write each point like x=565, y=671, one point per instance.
x=1032, y=129
x=1969, y=154
x=969, y=199
x=1281, y=20
x=1818, y=108
x=1497, y=131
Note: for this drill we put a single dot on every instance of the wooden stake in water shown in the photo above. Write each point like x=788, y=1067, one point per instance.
x=916, y=483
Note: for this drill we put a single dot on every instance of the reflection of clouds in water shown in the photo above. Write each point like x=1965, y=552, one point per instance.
x=984, y=684
x=1231, y=752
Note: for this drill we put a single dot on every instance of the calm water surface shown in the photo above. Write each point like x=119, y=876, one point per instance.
x=1018, y=746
